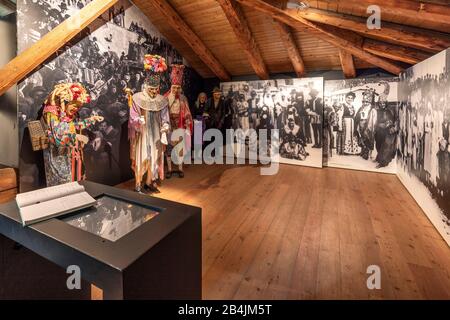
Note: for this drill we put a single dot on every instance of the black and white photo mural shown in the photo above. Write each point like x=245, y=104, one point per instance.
x=293, y=106
x=361, y=125
x=106, y=58
x=423, y=156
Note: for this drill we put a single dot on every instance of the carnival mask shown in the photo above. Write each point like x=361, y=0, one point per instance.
x=176, y=90
x=152, y=91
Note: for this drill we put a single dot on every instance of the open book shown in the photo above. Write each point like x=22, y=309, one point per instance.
x=43, y=204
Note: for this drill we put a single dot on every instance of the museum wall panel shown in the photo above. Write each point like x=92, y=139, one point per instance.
x=293, y=106
x=423, y=156
x=9, y=133
x=361, y=127
x=106, y=58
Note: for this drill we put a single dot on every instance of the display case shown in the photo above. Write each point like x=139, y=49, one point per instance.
x=130, y=245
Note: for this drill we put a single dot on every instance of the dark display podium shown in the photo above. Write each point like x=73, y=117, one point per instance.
x=131, y=246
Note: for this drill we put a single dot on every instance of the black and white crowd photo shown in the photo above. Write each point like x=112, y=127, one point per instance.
x=361, y=125
x=424, y=147
x=106, y=58
x=293, y=106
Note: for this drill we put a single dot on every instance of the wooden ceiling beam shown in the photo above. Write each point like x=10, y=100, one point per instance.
x=408, y=9
x=348, y=67
x=238, y=23
x=398, y=34
x=340, y=38
x=11, y=6
x=191, y=38
x=290, y=45
x=394, y=52
x=34, y=56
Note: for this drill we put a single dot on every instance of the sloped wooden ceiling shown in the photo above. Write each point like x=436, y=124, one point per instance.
x=208, y=21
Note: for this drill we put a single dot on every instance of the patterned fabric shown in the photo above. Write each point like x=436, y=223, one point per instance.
x=64, y=159
x=147, y=140
x=351, y=144
x=176, y=76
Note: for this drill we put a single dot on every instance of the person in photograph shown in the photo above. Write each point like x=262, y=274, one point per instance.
x=242, y=113
x=330, y=122
x=253, y=110
x=137, y=82
x=364, y=123
x=443, y=156
x=228, y=111
x=292, y=146
x=199, y=116
x=428, y=142
x=214, y=109
x=385, y=133
x=314, y=108
x=301, y=115
x=281, y=104
x=284, y=102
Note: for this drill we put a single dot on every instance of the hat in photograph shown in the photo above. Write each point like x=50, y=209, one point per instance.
x=176, y=76
x=350, y=94
x=154, y=65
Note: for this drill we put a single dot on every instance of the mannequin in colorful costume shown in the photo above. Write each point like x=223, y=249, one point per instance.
x=180, y=118
x=64, y=157
x=148, y=127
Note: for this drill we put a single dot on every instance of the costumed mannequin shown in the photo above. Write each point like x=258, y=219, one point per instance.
x=180, y=118
x=148, y=127
x=64, y=156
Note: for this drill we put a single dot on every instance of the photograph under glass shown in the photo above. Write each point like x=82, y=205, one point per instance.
x=111, y=218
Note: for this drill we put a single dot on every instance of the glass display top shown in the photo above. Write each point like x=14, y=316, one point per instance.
x=111, y=218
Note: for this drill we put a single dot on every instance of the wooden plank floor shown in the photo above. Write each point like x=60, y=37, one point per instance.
x=309, y=233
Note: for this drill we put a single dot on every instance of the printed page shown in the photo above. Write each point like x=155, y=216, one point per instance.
x=42, y=195
x=55, y=207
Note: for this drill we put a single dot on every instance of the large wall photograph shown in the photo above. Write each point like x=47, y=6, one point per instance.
x=361, y=125
x=106, y=58
x=293, y=106
x=423, y=157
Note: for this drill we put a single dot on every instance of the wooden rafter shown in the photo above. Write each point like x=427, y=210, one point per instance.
x=290, y=45
x=391, y=32
x=238, y=23
x=348, y=67
x=394, y=52
x=342, y=39
x=407, y=9
x=35, y=55
x=11, y=6
x=191, y=38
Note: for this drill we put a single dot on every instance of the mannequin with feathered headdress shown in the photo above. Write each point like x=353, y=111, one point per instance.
x=148, y=127
x=64, y=157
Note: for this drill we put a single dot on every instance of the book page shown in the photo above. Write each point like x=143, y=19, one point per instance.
x=45, y=194
x=55, y=207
